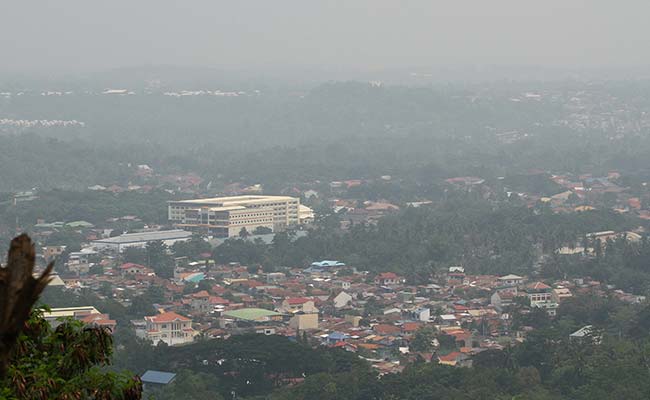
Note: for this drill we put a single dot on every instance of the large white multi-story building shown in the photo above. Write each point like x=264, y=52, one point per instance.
x=226, y=216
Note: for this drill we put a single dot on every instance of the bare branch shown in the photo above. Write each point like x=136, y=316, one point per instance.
x=19, y=290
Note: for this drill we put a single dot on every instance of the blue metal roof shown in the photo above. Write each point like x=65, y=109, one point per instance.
x=195, y=278
x=337, y=336
x=159, y=377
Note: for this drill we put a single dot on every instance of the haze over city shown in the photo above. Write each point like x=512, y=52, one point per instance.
x=325, y=200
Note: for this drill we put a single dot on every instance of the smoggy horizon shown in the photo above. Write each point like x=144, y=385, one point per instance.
x=334, y=35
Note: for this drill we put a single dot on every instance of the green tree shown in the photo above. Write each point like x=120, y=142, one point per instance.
x=96, y=270
x=262, y=230
x=239, y=250
x=143, y=305
x=191, y=248
x=190, y=385
x=135, y=255
x=447, y=343
x=158, y=259
x=423, y=339
x=65, y=363
x=106, y=289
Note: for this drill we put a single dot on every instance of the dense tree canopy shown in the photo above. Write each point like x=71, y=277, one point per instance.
x=484, y=237
x=65, y=363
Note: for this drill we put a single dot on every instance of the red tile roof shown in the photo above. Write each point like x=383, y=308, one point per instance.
x=538, y=286
x=218, y=289
x=369, y=346
x=411, y=326
x=297, y=300
x=167, y=317
x=453, y=356
x=251, y=283
x=131, y=265
x=218, y=300
x=385, y=329
x=99, y=319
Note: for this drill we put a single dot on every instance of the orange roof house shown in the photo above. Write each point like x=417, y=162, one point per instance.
x=385, y=329
x=450, y=359
x=167, y=317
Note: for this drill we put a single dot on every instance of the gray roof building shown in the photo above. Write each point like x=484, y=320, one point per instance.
x=140, y=239
x=158, y=377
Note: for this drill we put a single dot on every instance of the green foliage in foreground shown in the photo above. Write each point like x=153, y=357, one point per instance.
x=250, y=365
x=65, y=363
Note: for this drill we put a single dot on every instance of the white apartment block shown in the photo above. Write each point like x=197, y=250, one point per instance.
x=226, y=216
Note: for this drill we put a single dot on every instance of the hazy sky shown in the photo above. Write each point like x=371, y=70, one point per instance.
x=77, y=34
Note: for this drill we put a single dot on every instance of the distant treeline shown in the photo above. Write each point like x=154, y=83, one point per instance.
x=334, y=131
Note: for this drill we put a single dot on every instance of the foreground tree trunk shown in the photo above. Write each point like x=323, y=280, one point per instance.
x=19, y=290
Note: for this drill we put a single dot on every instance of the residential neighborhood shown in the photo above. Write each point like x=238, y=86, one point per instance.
x=382, y=238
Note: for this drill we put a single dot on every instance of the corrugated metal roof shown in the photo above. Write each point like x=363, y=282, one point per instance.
x=158, y=377
x=147, y=237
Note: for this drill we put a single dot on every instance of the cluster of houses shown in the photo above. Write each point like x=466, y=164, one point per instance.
x=578, y=193
x=565, y=193
x=378, y=316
